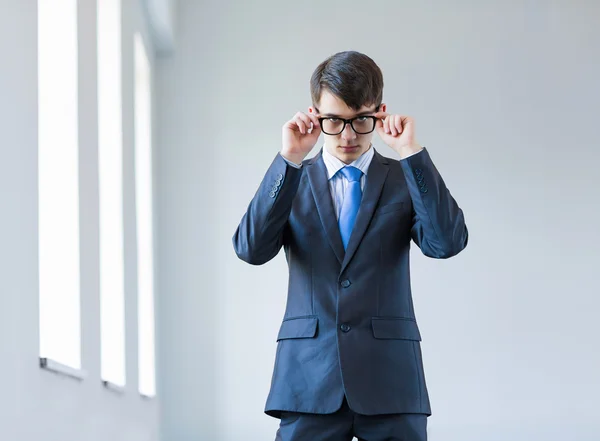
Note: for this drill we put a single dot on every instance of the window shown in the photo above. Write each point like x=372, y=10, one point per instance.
x=110, y=163
x=59, y=313
x=144, y=215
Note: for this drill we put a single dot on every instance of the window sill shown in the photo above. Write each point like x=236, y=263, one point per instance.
x=62, y=369
x=120, y=390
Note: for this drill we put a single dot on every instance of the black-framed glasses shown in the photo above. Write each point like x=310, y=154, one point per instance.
x=362, y=125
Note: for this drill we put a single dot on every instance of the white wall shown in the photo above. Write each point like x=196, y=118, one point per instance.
x=36, y=404
x=506, y=98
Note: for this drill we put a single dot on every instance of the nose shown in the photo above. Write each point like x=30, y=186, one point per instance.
x=348, y=133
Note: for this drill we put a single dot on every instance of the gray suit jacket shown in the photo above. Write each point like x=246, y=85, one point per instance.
x=349, y=325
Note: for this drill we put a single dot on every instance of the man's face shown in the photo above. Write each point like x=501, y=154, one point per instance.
x=348, y=145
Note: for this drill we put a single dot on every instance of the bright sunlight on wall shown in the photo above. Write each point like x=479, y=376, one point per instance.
x=144, y=216
x=110, y=163
x=58, y=170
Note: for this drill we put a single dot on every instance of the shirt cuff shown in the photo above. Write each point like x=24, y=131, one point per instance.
x=293, y=164
x=412, y=154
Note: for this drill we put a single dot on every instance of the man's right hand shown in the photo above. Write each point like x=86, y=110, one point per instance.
x=298, y=138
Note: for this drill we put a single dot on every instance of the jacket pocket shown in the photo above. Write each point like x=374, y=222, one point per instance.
x=389, y=207
x=298, y=327
x=402, y=328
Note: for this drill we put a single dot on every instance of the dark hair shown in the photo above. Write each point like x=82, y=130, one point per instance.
x=351, y=76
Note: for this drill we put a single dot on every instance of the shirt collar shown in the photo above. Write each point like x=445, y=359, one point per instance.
x=334, y=165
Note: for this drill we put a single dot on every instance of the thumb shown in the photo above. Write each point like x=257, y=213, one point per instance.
x=379, y=121
x=379, y=129
x=381, y=115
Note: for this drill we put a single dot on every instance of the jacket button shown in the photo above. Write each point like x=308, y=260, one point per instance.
x=345, y=283
x=344, y=327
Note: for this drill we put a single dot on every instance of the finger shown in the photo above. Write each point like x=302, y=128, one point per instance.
x=381, y=115
x=399, y=126
x=297, y=124
x=391, y=125
x=315, y=121
x=291, y=124
x=300, y=124
x=406, y=121
x=386, y=124
x=311, y=122
x=379, y=126
x=316, y=128
x=306, y=119
x=303, y=126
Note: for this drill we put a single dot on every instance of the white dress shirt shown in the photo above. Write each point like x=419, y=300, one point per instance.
x=337, y=181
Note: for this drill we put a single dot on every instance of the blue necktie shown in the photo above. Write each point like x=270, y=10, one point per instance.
x=351, y=202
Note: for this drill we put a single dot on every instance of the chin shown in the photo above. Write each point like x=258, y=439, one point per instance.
x=346, y=156
x=350, y=156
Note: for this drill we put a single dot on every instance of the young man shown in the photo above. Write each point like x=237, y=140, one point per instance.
x=348, y=361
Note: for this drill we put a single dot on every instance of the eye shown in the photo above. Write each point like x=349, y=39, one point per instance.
x=334, y=120
x=361, y=118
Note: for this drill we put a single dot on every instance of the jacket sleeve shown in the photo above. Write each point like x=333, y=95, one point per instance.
x=438, y=225
x=259, y=236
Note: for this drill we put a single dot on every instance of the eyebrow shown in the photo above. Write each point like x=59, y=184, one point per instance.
x=331, y=115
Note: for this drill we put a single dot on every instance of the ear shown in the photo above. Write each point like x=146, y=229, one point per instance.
x=382, y=107
x=312, y=110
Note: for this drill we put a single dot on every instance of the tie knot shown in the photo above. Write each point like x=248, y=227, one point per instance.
x=352, y=173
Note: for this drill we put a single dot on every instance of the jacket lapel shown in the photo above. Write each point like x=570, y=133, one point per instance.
x=317, y=176
x=378, y=170
x=319, y=183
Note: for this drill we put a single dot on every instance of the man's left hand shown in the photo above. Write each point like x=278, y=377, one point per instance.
x=398, y=132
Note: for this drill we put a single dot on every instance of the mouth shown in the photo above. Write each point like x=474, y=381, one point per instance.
x=349, y=148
